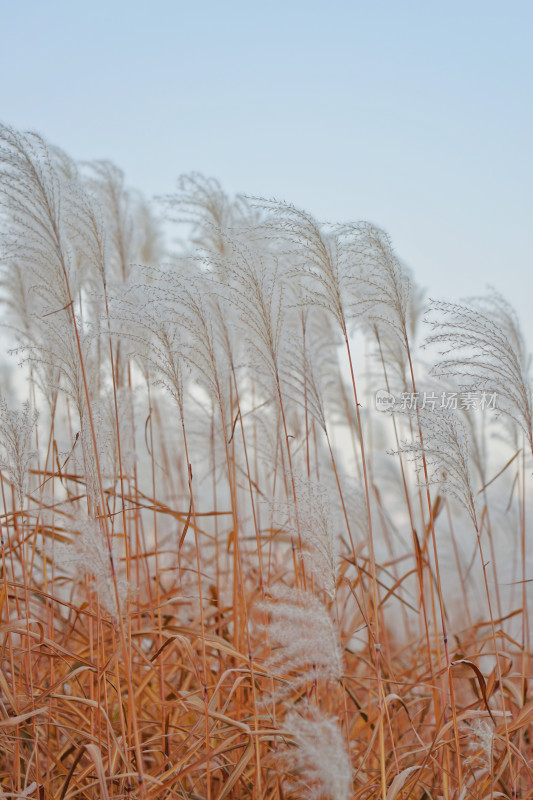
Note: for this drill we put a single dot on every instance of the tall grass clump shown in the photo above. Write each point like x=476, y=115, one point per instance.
x=259, y=538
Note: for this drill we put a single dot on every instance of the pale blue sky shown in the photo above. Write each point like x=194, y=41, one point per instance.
x=415, y=115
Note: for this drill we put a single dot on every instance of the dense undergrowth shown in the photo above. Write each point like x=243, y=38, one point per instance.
x=264, y=534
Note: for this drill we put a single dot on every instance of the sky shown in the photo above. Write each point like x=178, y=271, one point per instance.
x=417, y=116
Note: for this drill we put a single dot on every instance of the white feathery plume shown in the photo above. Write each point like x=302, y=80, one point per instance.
x=88, y=555
x=307, y=366
x=303, y=637
x=201, y=203
x=132, y=234
x=485, y=346
x=329, y=275
x=254, y=286
x=17, y=299
x=107, y=184
x=319, y=763
x=484, y=740
x=16, y=452
x=190, y=303
x=385, y=286
x=177, y=309
x=30, y=191
x=51, y=225
x=140, y=317
x=319, y=525
x=446, y=450
x=56, y=352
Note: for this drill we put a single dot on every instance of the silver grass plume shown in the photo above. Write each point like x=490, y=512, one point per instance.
x=483, y=741
x=319, y=256
x=319, y=526
x=385, y=286
x=16, y=451
x=24, y=319
x=17, y=299
x=308, y=365
x=391, y=359
x=57, y=349
x=447, y=454
x=57, y=361
x=104, y=422
x=30, y=193
x=485, y=346
x=202, y=204
x=303, y=638
x=139, y=319
x=319, y=764
x=88, y=555
x=131, y=231
x=188, y=300
x=254, y=286
x=54, y=230
x=50, y=224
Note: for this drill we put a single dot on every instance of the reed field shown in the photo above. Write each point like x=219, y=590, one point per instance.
x=265, y=524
